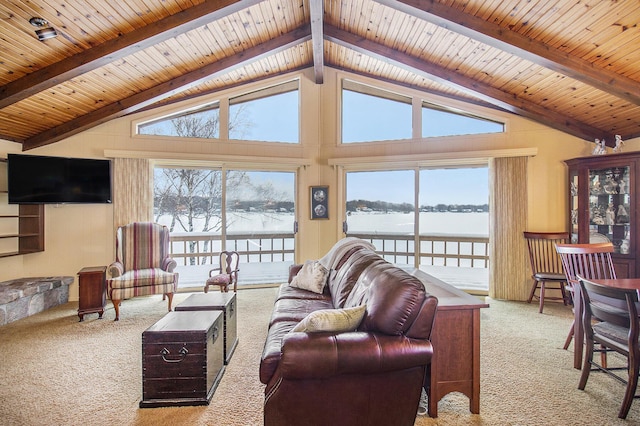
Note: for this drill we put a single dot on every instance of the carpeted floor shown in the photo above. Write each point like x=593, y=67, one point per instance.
x=55, y=370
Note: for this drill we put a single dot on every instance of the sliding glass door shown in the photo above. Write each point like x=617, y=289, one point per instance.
x=381, y=208
x=435, y=219
x=210, y=210
x=454, y=225
x=260, y=217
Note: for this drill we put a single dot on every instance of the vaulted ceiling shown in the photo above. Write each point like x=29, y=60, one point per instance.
x=573, y=65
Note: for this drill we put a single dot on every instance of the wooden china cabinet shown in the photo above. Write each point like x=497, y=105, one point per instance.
x=604, y=195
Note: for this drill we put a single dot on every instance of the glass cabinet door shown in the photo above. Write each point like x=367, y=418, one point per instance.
x=574, y=206
x=609, y=207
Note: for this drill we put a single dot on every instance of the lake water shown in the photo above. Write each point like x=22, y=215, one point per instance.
x=471, y=224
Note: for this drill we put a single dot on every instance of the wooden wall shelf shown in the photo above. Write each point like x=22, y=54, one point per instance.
x=24, y=235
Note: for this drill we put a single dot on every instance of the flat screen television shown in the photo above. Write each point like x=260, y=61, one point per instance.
x=37, y=179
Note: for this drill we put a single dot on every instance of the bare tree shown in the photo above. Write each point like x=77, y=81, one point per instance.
x=192, y=197
x=196, y=126
x=240, y=122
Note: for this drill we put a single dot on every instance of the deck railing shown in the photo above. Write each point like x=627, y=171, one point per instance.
x=203, y=248
x=434, y=250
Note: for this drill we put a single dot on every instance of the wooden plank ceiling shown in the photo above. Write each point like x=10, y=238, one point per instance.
x=571, y=65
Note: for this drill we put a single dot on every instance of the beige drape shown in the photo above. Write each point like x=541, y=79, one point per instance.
x=509, y=270
x=132, y=191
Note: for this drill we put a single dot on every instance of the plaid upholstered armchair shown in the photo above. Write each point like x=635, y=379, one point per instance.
x=142, y=265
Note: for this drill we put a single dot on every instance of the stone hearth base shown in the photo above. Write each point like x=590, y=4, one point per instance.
x=23, y=297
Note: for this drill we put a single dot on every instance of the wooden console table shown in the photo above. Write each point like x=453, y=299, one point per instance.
x=455, y=365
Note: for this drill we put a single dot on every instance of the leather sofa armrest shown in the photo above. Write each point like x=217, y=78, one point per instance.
x=293, y=271
x=116, y=269
x=323, y=355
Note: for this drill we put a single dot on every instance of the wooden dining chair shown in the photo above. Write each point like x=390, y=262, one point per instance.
x=590, y=261
x=611, y=320
x=546, y=266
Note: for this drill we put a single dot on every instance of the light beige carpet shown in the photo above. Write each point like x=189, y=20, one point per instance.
x=55, y=370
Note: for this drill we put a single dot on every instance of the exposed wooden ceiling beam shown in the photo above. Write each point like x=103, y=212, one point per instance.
x=169, y=88
x=478, y=89
x=10, y=138
x=118, y=48
x=519, y=45
x=316, y=8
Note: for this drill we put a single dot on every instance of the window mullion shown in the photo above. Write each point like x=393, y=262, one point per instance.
x=416, y=118
x=224, y=119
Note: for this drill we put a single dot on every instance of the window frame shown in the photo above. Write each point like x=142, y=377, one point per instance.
x=265, y=92
x=223, y=104
x=418, y=101
x=370, y=90
x=456, y=111
x=208, y=106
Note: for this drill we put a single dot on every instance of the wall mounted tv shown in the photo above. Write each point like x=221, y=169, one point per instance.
x=36, y=179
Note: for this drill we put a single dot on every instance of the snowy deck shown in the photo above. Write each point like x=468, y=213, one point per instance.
x=265, y=273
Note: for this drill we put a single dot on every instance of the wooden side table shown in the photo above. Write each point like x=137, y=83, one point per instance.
x=93, y=290
x=455, y=365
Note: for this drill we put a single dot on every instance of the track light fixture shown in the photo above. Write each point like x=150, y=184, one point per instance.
x=43, y=32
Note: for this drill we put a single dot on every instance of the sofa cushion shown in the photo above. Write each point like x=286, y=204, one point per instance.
x=345, y=278
x=332, y=320
x=272, y=352
x=143, y=277
x=341, y=249
x=312, y=277
x=219, y=279
x=393, y=297
x=297, y=309
x=285, y=291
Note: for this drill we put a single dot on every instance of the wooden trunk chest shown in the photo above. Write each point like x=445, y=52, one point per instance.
x=182, y=359
x=225, y=302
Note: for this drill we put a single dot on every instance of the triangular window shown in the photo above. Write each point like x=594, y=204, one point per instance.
x=203, y=122
x=439, y=121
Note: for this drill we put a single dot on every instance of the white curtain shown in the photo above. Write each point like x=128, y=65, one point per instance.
x=132, y=191
x=509, y=268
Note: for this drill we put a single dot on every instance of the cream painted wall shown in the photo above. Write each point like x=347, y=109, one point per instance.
x=82, y=235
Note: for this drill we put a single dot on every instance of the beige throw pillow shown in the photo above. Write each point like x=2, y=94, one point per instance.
x=332, y=320
x=312, y=276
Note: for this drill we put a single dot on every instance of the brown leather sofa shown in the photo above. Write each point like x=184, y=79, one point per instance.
x=370, y=376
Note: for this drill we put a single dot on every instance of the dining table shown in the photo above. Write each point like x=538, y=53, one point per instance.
x=620, y=283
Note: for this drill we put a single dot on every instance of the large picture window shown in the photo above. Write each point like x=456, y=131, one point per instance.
x=370, y=114
x=212, y=209
x=446, y=234
x=438, y=121
x=203, y=122
x=270, y=114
